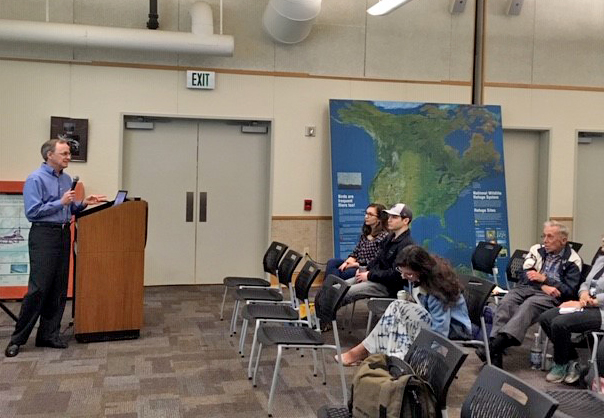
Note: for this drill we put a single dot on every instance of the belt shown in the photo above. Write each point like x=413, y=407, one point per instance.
x=51, y=225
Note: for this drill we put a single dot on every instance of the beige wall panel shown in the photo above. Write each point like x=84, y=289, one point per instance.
x=254, y=50
x=401, y=45
x=343, y=12
x=31, y=95
x=235, y=96
x=509, y=43
x=59, y=10
x=329, y=49
x=297, y=234
x=302, y=165
x=324, y=240
x=462, y=44
x=569, y=42
x=516, y=107
x=101, y=94
x=115, y=13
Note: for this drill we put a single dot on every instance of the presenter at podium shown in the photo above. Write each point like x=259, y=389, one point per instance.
x=49, y=199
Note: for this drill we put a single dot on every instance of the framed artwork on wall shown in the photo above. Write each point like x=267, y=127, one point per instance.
x=75, y=131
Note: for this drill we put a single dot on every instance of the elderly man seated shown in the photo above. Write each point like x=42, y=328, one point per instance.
x=582, y=314
x=552, y=272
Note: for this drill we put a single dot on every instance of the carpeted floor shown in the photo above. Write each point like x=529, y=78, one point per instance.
x=185, y=365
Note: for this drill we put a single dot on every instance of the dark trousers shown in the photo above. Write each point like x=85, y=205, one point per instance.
x=332, y=268
x=518, y=310
x=558, y=328
x=47, y=288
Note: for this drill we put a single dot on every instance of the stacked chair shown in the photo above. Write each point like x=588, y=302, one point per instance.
x=270, y=262
x=263, y=312
x=333, y=291
x=285, y=272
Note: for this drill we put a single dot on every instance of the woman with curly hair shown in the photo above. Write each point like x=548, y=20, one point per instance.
x=439, y=305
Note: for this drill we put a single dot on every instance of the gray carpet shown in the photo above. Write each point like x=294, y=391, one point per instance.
x=186, y=365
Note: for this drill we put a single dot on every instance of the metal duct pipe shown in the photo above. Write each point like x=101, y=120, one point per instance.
x=290, y=21
x=153, y=23
x=201, y=41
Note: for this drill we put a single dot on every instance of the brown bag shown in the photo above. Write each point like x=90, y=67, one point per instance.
x=382, y=390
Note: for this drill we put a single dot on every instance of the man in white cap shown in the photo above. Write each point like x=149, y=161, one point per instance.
x=381, y=278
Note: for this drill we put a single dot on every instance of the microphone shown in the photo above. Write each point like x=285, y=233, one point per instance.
x=74, y=182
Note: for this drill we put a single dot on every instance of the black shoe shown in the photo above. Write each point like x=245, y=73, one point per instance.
x=497, y=360
x=11, y=350
x=52, y=343
x=481, y=353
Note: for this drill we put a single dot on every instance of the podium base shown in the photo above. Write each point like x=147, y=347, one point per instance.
x=95, y=337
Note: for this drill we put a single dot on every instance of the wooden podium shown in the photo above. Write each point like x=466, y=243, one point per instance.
x=109, y=271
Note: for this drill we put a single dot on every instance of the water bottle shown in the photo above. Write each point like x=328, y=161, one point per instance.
x=536, y=354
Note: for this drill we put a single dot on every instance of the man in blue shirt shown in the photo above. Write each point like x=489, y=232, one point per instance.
x=49, y=205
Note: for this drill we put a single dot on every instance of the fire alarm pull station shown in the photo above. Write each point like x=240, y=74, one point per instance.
x=307, y=204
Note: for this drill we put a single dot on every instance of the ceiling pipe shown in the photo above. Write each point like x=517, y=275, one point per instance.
x=290, y=21
x=201, y=40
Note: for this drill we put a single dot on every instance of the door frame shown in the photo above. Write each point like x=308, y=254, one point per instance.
x=201, y=118
x=576, y=178
x=544, y=190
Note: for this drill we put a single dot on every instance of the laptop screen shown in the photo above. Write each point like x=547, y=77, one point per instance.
x=120, y=197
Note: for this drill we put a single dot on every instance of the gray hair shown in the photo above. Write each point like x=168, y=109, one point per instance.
x=562, y=229
x=50, y=145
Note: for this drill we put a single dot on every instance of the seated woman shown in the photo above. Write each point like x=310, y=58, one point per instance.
x=373, y=233
x=440, y=306
x=559, y=323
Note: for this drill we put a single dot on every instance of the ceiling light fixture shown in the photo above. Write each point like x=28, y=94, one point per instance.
x=383, y=7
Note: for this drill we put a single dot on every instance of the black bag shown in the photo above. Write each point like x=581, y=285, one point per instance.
x=386, y=387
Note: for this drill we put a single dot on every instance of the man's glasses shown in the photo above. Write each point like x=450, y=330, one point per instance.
x=373, y=215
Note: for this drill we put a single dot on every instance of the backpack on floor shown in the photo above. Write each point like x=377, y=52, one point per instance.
x=385, y=387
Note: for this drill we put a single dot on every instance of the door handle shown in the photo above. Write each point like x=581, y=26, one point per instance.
x=189, y=207
x=203, y=206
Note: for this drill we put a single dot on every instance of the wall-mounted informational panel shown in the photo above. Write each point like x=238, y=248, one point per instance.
x=14, y=233
x=444, y=160
x=14, y=255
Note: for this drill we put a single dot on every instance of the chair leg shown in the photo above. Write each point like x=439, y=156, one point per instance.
x=226, y=289
x=255, y=340
x=369, y=321
x=257, y=362
x=340, y=365
x=275, y=377
x=485, y=340
x=324, y=368
x=234, y=318
x=354, y=304
x=594, y=363
x=544, y=350
x=314, y=362
x=242, y=336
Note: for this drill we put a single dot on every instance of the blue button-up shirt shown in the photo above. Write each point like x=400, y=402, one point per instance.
x=42, y=196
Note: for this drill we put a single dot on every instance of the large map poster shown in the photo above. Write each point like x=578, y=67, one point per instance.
x=444, y=160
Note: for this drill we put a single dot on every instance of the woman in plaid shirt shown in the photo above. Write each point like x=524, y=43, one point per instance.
x=373, y=233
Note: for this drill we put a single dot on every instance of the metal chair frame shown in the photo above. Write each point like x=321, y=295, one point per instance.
x=337, y=290
x=284, y=273
x=270, y=262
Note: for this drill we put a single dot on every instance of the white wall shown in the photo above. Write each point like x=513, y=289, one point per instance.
x=301, y=164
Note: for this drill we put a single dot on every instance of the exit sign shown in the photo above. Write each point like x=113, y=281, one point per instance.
x=201, y=80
